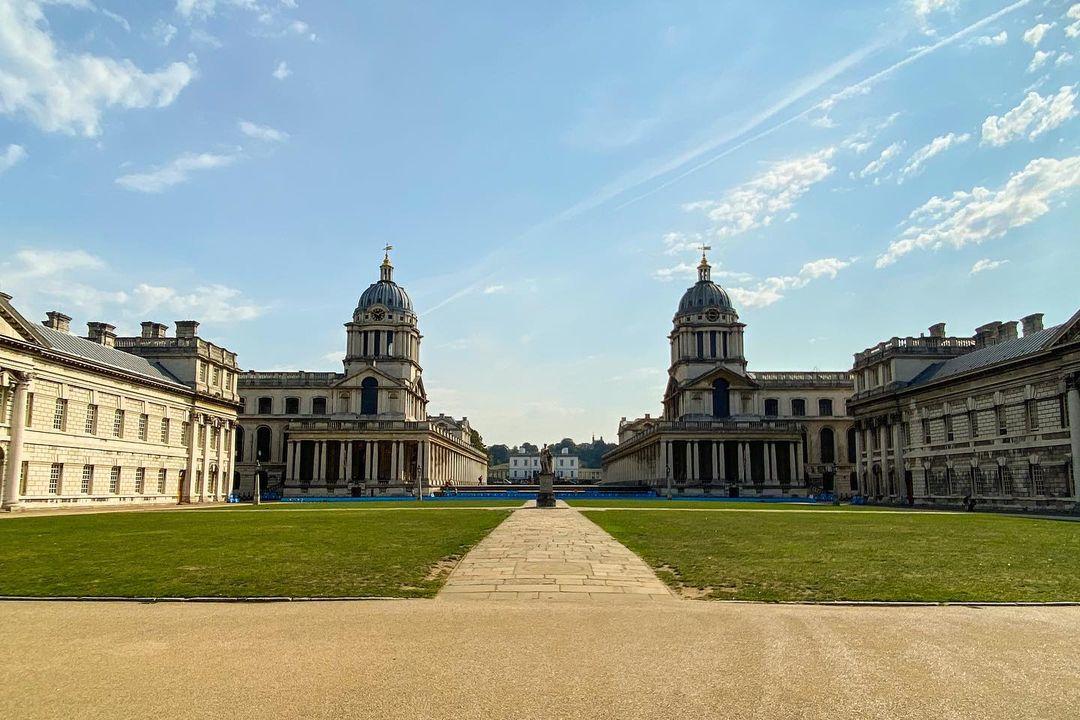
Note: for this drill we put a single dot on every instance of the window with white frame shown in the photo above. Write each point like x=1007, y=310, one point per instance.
x=185, y=432
x=1031, y=414
x=90, y=428
x=162, y=477
x=165, y=431
x=118, y=423
x=1036, y=479
x=59, y=421
x=87, y=479
x=202, y=372
x=216, y=377
x=56, y=474
x=140, y=480
x=114, y=480
x=144, y=425
x=999, y=416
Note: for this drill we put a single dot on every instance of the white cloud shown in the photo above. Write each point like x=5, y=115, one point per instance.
x=1034, y=116
x=12, y=156
x=772, y=289
x=1039, y=59
x=1034, y=35
x=923, y=9
x=494, y=289
x=682, y=270
x=47, y=263
x=1064, y=58
x=992, y=40
x=282, y=70
x=174, y=173
x=877, y=165
x=209, y=303
x=986, y=264
x=758, y=202
x=970, y=218
x=935, y=147
x=677, y=242
x=164, y=32
x=262, y=132
x=1073, y=13
x=68, y=92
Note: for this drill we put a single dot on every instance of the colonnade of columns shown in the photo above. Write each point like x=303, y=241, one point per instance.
x=387, y=461
x=708, y=461
x=881, y=445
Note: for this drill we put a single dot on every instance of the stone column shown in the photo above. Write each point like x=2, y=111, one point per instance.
x=799, y=463
x=347, y=475
x=193, y=434
x=792, y=464
x=290, y=450
x=898, y=460
x=742, y=465
x=205, y=460
x=860, y=466
x=321, y=476
x=15, y=446
x=1073, y=401
x=394, y=461
x=870, y=458
x=219, y=488
x=375, y=460
x=368, y=452
x=717, y=475
x=772, y=462
x=689, y=461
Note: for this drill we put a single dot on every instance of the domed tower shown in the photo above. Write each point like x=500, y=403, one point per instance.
x=383, y=340
x=706, y=337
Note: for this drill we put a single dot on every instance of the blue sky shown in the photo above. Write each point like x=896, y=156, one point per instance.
x=545, y=172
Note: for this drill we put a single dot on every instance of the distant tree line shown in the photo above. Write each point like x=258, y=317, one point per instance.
x=589, y=453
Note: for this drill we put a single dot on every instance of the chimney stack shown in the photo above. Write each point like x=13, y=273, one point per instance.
x=101, y=333
x=937, y=330
x=186, y=328
x=1032, y=323
x=57, y=321
x=153, y=330
x=987, y=334
x=1007, y=331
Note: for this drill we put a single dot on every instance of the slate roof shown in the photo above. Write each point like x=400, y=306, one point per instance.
x=101, y=355
x=1001, y=352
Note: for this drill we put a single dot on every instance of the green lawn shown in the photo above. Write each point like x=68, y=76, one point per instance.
x=812, y=556
x=379, y=504
x=723, y=505
x=234, y=554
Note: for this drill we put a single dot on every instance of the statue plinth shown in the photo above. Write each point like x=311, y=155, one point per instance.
x=545, y=498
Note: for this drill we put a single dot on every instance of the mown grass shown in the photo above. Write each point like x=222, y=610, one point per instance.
x=723, y=505
x=376, y=504
x=358, y=552
x=808, y=556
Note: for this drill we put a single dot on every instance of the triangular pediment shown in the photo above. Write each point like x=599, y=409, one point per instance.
x=14, y=325
x=1067, y=332
x=736, y=380
x=352, y=382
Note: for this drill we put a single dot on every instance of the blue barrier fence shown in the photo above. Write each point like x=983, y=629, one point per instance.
x=531, y=495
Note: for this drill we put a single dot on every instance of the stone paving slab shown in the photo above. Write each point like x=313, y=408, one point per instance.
x=546, y=554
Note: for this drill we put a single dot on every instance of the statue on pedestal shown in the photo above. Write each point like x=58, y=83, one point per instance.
x=545, y=498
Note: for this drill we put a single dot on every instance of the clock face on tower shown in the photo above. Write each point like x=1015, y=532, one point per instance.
x=712, y=315
x=378, y=314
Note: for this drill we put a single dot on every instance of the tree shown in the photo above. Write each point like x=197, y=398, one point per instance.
x=529, y=449
x=477, y=441
x=498, y=455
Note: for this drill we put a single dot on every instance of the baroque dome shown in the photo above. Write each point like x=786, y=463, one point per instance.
x=385, y=292
x=704, y=294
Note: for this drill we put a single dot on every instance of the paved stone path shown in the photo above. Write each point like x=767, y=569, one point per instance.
x=554, y=554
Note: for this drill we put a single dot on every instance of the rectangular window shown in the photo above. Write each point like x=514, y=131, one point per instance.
x=91, y=420
x=798, y=407
x=217, y=376
x=56, y=472
x=378, y=343
x=59, y=421
x=772, y=407
x=973, y=423
x=723, y=338
x=144, y=425
x=165, y=431
x=292, y=406
x=949, y=429
x=202, y=436
x=114, y=480
x=24, y=473
x=87, y=479
x=215, y=438
x=390, y=343
x=266, y=406
x=140, y=480
x=1031, y=414
x=700, y=338
x=118, y=423
x=999, y=416
x=185, y=432
x=202, y=372
x=162, y=476
x=363, y=335
x=926, y=431
x=180, y=480
x=825, y=407
x=1036, y=480
x=712, y=343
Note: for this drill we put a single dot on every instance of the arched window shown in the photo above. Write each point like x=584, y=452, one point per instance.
x=851, y=446
x=369, y=396
x=262, y=444
x=828, y=446
x=318, y=406
x=720, y=403
x=772, y=407
x=265, y=406
x=239, y=435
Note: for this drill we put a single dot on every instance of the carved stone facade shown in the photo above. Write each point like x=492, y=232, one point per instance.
x=725, y=430
x=992, y=419
x=106, y=420
x=365, y=431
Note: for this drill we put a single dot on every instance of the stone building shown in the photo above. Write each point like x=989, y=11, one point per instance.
x=994, y=417
x=106, y=420
x=524, y=467
x=360, y=432
x=727, y=430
